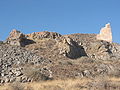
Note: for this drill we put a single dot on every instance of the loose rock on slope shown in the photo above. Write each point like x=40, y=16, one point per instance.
x=13, y=60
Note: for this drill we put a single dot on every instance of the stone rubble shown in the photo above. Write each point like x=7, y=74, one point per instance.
x=12, y=62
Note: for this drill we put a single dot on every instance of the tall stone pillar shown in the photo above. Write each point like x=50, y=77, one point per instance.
x=105, y=33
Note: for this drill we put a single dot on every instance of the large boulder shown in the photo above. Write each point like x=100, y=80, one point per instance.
x=69, y=48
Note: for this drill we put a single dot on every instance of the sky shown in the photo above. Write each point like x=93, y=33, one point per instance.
x=62, y=16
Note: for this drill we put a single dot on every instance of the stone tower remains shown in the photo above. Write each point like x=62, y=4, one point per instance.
x=105, y=33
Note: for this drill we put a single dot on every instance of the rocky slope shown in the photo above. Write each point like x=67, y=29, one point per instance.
x=49, y=55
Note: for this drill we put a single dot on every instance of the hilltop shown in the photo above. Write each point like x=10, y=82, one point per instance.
x=42, y=56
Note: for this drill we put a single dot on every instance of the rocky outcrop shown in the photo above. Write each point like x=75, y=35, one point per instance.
x=100, y=50
x=115, y=49
x=97, y=49
x=69, y=48
x=42, y=35
x=19, y=39
x=105, y=33
x=16, y=38
x=66, y=45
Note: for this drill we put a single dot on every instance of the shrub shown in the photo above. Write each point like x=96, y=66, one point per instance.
x=35, y=74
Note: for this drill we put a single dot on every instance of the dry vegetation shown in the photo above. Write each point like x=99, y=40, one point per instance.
x=70, y=84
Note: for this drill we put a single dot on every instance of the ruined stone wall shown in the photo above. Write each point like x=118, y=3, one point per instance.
x=105, y=33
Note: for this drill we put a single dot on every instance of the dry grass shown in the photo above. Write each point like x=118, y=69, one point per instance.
x=59, y=84
x=70, y=84
x=35, y=74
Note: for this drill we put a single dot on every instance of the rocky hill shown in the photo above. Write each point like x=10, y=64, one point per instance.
x=50, y=56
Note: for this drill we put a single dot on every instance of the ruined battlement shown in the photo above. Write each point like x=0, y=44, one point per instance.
x=105, y=33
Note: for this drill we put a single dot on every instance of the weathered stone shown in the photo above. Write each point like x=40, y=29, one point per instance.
x=2, y=74
x=86, y=73
x=13, y=79
x=24, y=79
x=18, y=73
x=7, y=80
x=2, y=81
x=69, y=48
x=97, y=49
x=105, y=33
x=41, y=35
x=16, y=38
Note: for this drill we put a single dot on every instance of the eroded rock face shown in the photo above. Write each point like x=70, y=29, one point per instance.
x=16, y=38
x=100, y=50
x=41, y=35
x=105, y=33
x=97, y=49
x=19, y=39
x=69, y=48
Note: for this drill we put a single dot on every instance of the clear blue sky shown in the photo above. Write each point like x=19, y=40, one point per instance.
x=62, y=16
